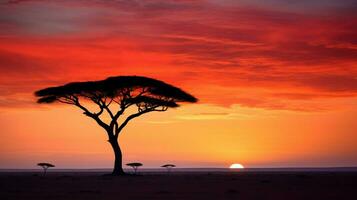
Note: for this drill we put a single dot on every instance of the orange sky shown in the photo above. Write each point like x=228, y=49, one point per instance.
x=277, y=82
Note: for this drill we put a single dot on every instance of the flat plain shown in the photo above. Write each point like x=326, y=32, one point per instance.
x=180, y=185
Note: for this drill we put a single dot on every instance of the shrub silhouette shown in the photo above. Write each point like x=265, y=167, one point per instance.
x=135, y=166
x=114, y=96
x=169, y=167
x=45, y=166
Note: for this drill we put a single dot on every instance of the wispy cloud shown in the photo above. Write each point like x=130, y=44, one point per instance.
x=271, y=55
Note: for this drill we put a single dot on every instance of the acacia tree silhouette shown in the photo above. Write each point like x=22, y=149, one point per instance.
x=135, y=166
x=169, y=167
x=113, y=96
x=45, y=166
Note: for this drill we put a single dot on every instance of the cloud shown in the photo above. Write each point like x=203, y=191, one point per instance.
x=291, y=5
x=44, y=18
x=269, y=55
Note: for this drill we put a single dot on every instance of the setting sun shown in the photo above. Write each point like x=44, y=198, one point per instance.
x=236, y=166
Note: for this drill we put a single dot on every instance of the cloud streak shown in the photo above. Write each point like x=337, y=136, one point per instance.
x=273, y=56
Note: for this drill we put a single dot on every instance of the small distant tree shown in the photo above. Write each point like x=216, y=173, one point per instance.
x=45, y=166
x=168, y=167
x=135, y=166
x=114, y=96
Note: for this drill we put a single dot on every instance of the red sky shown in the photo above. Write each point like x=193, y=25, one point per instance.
x=277, y=81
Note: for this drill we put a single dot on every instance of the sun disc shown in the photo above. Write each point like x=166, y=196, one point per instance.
x=236, y=166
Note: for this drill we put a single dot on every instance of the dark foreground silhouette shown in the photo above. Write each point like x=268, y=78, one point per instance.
x=135, y=166
x=114, y=96
x=207, y=185
x=168, y=167
x=45, y=167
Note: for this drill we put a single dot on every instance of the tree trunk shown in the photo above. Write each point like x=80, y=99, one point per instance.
x=118, y=162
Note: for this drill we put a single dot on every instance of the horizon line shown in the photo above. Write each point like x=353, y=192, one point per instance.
x=329, y=167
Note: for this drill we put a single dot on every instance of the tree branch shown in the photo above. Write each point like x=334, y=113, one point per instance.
x=120, y=128
x=92, y=115
x=105, y=106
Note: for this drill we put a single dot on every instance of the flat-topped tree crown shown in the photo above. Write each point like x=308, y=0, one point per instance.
x=46, y=165
x=134, y=164
x=168, y=165
x=132, y=89
x=113, y=96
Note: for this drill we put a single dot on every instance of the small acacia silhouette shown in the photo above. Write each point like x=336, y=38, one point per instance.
x=45, y=166
x=114, y=96
x=135, y=166
x=168, y=167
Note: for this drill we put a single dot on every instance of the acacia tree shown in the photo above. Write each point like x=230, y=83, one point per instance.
x=135, y=166
x=168, y=167
x=114, y=96
x=45, y=166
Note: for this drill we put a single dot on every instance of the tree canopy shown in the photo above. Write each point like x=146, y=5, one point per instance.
x=146, y=94
x=46, y=165
x=152, y=91
x=168, y=165
x=134, y=164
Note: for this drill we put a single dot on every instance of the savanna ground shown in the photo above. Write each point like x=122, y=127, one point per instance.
x=240, y=185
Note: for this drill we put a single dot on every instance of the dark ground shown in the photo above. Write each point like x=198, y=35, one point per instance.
x=241, y=185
